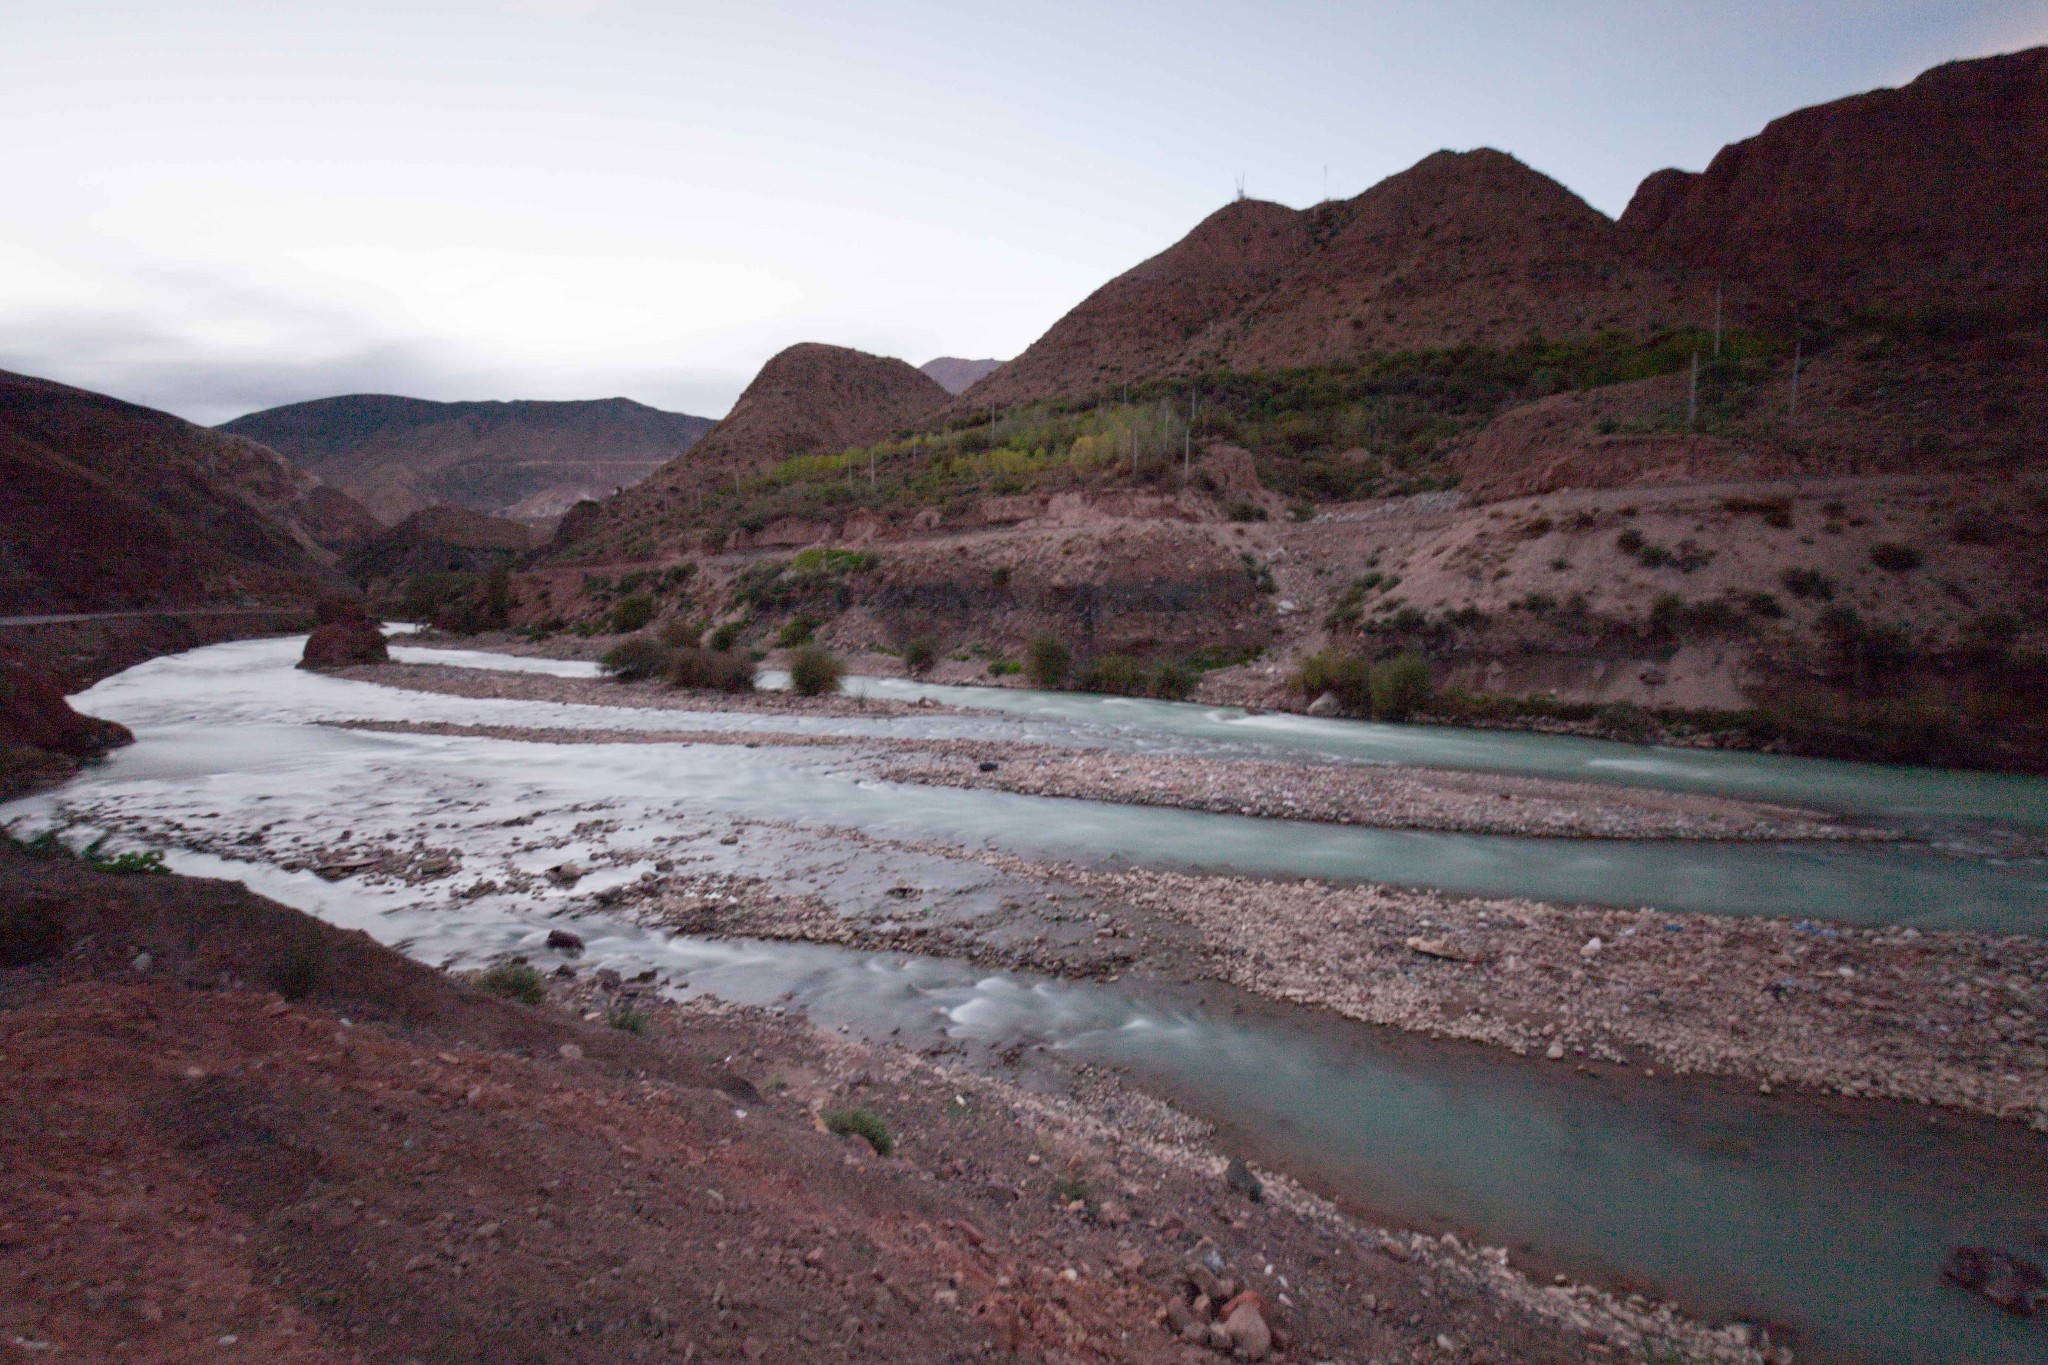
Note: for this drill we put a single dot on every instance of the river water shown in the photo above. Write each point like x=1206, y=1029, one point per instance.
x=1833, y=1218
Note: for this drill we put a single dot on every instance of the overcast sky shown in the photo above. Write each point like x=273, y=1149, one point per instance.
x=219, y=207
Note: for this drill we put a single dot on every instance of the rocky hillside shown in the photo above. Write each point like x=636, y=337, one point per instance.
x=106, y=506
x=1925, y=199
x=810, y=399
x=956, y=375
x=530, y=460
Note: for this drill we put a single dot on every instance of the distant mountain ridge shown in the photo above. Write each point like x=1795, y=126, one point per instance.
x=956, y=375
x=528, y=459
x=1927, y=199
x=108, y=506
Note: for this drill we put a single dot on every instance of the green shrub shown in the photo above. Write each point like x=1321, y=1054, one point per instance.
x=1174, y=681
x=1806, y=584
x=727, y=635
x=514, y=981
x=860, y=1123
x=1046, y=661
x=1003, y=668
x=631, y=613
x=634, y=660
x=626, y=1019
x=1347, y=676
x=1399, y=687
x=797, y=633
x=813, y=672
x=1247, y=511
x=1893, y=557
x=709, y=670
x=919, y=656
x=1119, y=675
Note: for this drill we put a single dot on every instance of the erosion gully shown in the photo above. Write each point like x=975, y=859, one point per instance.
x=1830, y=1217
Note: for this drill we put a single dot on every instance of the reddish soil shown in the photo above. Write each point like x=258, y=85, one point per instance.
x=391, y=1166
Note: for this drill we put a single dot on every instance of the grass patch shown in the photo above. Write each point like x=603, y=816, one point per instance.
x=626, y=1019
x=514, y=981
x=814, y=672
x=865, y=1124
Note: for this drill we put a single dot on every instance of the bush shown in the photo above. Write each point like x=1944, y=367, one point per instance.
x=634, y=660
x=1174, y=681
x=514, y=981
x=797, y=633
x=860, y=1123
x=1116, y=674
x=626, y=1019
x=1893, y=557
x=1399, y=687
x=1347, y=676
x=1247, y=511
x=727, y=635
x=813, y=672
x=709, y=670
x=919, y=656
x=1046, y=661
x=631, y=613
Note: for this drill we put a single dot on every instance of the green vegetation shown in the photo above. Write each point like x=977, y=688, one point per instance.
x=1893, y=557
x=631, y=613
x=1388, y=690
x=727, y=635
x=814, y=671
x=709, y=670
x=861, y=1123
x=635, y=660
x=796, y=633
x=919, y=656
x=627, y=1019
x=50, y=844
x=514, y=981
x=1808, y=585
x=1046, y=661
x=1774, y=512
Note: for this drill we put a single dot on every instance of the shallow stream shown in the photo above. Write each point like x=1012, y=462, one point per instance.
x=1833, y=1218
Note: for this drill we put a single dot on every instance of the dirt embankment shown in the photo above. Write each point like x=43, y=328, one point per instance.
x=234, y=1129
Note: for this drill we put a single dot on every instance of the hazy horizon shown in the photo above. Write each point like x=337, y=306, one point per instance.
x=260, y=204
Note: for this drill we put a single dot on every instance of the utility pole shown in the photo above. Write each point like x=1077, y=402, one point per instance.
x=1692, y=396
x=1794, y=411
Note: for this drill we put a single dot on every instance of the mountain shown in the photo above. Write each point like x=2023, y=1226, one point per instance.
x=1926, y=198
x=955, y=375
x=810, y=399
x=530, y=460
x=105, y=505
x=1463, y=248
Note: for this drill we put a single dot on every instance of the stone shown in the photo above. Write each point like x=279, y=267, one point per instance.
x=2017, y=1285
x=564, y=941
x=1326, y=705
x=1245, y=1325
x=1238, y=1178
x=341, y=643
x=989, y=767
x=1592, y=947
x=565, y=874
x=1555, y=1052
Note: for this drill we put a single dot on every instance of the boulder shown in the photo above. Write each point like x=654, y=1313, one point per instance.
x=1326, y=705
x=1238, y=1178
x=563, y=941
x=35, y=715
x=345, y=640
x=1245, y=1324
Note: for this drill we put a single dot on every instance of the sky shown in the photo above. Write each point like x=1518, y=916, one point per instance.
x=219, y=207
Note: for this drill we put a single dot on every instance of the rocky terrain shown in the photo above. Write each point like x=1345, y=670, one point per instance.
x=528, y=460
x=298, y=1144
x=199, y=517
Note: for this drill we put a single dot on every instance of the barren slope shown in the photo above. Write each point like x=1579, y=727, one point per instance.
x=531, y=460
